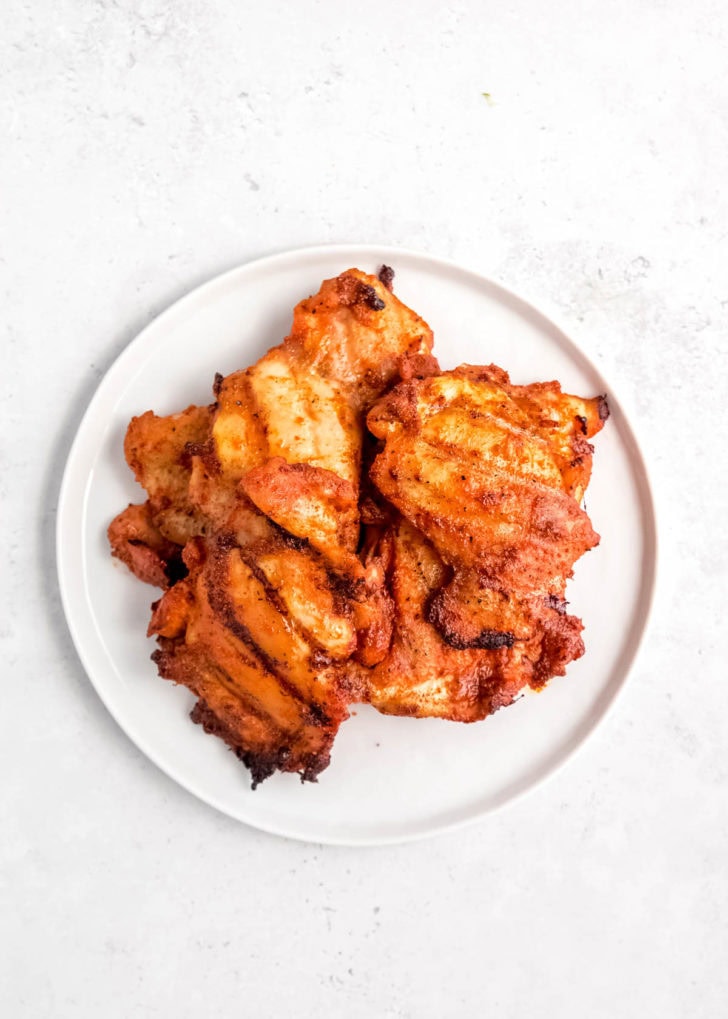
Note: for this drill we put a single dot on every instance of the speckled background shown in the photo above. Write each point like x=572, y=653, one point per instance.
x=148, y=145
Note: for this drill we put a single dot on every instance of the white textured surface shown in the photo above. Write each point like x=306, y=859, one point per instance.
x=149, y=145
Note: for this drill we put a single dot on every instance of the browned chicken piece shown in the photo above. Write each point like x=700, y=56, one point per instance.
x=262, y=638
x=137, y=541
x=493, y=486
x=424, y=676
x=310, y=503
x=149, y=538
x=304, y=403
x=277, y=605
x=474, y=668
x=487, y=476
x=158, y=450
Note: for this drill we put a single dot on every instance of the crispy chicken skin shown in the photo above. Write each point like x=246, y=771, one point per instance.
x=347, y=523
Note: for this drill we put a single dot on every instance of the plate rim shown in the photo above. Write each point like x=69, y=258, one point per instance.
x=647, y=505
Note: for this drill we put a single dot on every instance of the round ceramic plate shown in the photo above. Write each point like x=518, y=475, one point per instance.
x=391, y=779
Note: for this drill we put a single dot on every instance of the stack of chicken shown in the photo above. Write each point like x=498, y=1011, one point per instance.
x=347, y=523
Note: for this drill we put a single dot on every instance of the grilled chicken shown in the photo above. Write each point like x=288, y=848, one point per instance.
x=276, y=605
x=347, y=523
x=259, y=635
x=487, y=478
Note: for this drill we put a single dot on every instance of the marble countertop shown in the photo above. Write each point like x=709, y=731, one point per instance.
x=576, y=153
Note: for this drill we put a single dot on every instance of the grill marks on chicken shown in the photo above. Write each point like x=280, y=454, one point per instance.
x=424, y=675
x=230, y=632
x=308, y=563
x=486, y=476
x=277, y=614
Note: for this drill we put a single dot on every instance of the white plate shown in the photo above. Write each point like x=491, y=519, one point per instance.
x=391, y=779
